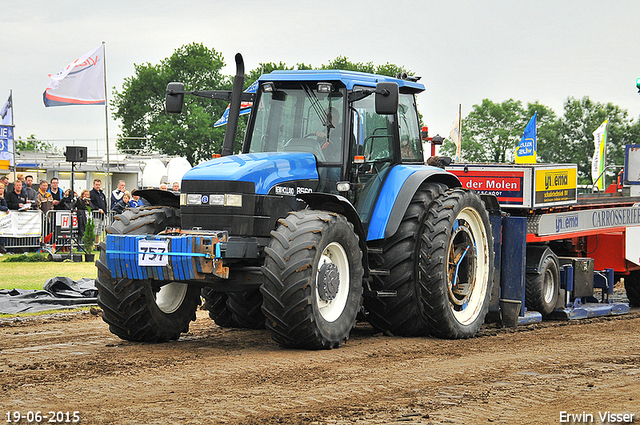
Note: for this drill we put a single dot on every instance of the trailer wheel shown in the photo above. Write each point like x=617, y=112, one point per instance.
x=234, y=309
x=402, y=314
x=632, y=286
x=313, y=286
x=456, y=264
x=140, y=310
x=542, y=289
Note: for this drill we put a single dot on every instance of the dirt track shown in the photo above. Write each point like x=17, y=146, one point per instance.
x=214, y=375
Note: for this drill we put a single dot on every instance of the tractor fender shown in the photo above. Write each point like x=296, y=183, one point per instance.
x=159, y=197
x=340, y=205
x=399, y=187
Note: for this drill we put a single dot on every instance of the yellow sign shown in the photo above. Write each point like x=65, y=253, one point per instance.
x=555, y=185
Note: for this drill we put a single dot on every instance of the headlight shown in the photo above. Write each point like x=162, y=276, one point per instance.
x=194, y=199
x=216, y=200
x=232, y=200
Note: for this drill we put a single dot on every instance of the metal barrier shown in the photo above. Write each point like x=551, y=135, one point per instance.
x=21, y=229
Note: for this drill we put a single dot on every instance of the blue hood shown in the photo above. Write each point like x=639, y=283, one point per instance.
x=264, y=169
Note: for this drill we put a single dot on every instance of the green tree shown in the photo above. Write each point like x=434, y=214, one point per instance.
x=31, y=144
x=490, y=132
x=581, y=118
x=148, y=128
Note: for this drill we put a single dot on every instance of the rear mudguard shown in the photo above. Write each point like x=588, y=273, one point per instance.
x=401, y=184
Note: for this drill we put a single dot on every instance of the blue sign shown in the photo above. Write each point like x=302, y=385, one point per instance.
x=6, y=143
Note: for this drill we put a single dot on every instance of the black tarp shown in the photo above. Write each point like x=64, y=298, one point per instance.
x=57, y=293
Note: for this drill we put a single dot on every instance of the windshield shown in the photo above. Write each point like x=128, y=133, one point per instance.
x=297, y=118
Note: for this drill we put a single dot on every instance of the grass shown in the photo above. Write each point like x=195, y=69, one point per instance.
x=29, y=275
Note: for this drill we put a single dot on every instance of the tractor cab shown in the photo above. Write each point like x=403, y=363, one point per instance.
x=356, y=125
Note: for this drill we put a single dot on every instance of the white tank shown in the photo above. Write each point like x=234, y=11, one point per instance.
x=153, y=174
x=176, y=169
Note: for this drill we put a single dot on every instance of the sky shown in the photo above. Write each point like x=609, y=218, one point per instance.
x=465, y=51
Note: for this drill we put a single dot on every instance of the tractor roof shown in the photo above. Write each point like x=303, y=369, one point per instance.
x=348, y=78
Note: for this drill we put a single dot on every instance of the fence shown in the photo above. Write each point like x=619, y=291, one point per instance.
x=54, y=231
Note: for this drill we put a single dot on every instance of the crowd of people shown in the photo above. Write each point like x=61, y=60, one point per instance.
x=21, y=196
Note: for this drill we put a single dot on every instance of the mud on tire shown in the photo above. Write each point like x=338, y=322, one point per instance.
x=456, y=264
x=139, y=310
x=402, y=314
x=313, y=280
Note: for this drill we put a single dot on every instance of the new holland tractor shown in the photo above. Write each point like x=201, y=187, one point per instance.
x=328, y=214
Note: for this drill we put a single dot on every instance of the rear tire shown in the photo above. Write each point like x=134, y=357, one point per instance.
x=542, y=289
x=402, y=314
x=235, y=309
x=140, y=310
x=313, y=280
x=456, y=264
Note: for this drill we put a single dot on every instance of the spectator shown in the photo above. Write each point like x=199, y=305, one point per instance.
x=122, y=204
x=17, y=199
x=163, y=186
x=135, y=202
x=68, y=200
x=98, y=203
x=29, y=191
x=56, y=194
x=3, y=209
x=44, y=198
x=175, y=187
x=116, y=195
x=3, y=202
x=5, y=181
x=80, y=206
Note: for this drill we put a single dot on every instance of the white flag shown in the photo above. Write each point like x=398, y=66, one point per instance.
x=79, y=83
x=454, y=135
x=599, y=155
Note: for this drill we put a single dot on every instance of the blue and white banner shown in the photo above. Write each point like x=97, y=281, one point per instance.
x=526, y=152
x=245, y=107
x=5, y=112
x=6, y=144
x=79, y=83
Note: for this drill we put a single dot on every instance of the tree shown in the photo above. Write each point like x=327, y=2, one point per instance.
x=581, y=118
x=490, y=132
x=31, y=144
x=148, y=128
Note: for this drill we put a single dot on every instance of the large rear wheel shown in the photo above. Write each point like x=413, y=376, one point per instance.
x=402, y=314
x=313, y=286
x=142, y=310
x=456, y=264
x=235, y=309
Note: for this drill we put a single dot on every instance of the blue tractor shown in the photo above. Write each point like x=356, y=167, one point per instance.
x=328, y=214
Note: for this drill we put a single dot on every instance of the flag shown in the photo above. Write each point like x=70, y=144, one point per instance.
x=5, y=112
x=455, y=135
x=6, y=146
x=526, y=152
x=599, y=157
x=79, y=83
x=245, y=107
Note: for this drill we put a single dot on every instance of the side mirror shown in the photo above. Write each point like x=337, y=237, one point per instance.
x=387, y=95
x=175, y=98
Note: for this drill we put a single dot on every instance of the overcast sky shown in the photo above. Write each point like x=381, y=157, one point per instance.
x=465, y=51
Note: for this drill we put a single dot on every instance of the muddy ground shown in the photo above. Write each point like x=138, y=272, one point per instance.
x=70, y=363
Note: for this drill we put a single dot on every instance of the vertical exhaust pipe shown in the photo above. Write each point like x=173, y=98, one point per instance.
x=234, y=107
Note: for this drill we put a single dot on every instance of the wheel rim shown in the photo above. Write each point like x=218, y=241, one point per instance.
x=332, y=282
x=170, y=297
x=548, y=286
x=467, y=268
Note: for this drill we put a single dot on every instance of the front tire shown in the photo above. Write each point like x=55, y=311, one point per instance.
x=313, y=286
x=456, y=264
x=141, y=310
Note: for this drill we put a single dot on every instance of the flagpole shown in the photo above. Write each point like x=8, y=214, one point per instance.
x=459, y=152
x=14, y=135
x=106, y=127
